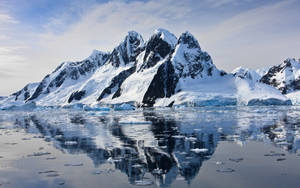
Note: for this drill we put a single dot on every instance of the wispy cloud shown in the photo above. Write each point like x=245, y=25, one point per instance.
x=219, y=3
x=256, y=38
x=6, y=18
x=251, y=33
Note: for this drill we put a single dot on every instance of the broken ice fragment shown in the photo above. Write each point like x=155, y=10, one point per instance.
x=198, y=150
x=80, y=164
x=70, y=143
x=50, y=158
x=47, y=172
x=38, y=154
x=280, y=159
x=26, y=138
x=225, y=170
x=274, y=154
x=219, y=163
x=52, y=175
x=143, y=182
x=236, y=159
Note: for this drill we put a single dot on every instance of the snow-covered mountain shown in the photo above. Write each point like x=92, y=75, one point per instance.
x=163, y=71
x=245, y=73
x=285, y=77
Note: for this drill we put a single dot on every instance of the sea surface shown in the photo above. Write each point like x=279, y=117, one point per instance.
x=184, y=147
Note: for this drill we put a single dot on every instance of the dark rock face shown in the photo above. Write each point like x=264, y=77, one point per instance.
x=156, y=49
x=287, y=85
x=272, y=72
x=127, y=51
x=77, y=95
x=162, y=85
x=116, y=84
x=39, y=89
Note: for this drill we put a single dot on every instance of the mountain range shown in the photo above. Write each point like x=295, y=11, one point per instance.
x=162, y=71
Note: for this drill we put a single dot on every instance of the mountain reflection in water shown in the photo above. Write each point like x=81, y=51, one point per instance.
x=167, y=144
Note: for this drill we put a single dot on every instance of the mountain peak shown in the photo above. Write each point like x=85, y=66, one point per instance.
x=167, y=36
x=291, y=62
x=127, y=50
x=246, y=73
x=189, y=39
x=136, y=38
x=96, y=54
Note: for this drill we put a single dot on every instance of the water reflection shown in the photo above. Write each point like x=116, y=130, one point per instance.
x=168, y=145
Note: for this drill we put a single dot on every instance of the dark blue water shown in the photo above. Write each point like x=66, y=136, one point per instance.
x=194, y=147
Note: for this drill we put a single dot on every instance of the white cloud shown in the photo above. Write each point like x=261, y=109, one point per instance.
x=219, y=3
x=253, y=38
x=6, y=18
x=256, y=38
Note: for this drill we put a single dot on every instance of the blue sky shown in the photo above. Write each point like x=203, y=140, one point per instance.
x=37, y=35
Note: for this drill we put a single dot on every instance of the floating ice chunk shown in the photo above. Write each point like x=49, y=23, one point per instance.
x=39, y=154
x=12, y=143
x=237, y=160
x=47, y=172
x=278, y=129
x=225, y=170
x=68, y=164
x=191, y=138
x=137, y=166
x=283, y=143
x=105, y=171
x=143, y=182
x=52, y=175
x=180, y=179
x=26, y=138
x=279, y=139
x=178, y=136
x=61, y=182
x=274, y=154
x=50, y=158
x=280, y=159
x=97, y=172
x=70, y=143
x=198, y=150
x=219, y=163
x=157, y=171
x=58, y=136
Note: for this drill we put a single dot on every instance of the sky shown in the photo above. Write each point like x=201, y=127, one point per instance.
x=37, y=35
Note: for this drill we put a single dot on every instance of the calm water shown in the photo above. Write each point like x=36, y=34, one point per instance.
x=196, y=147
